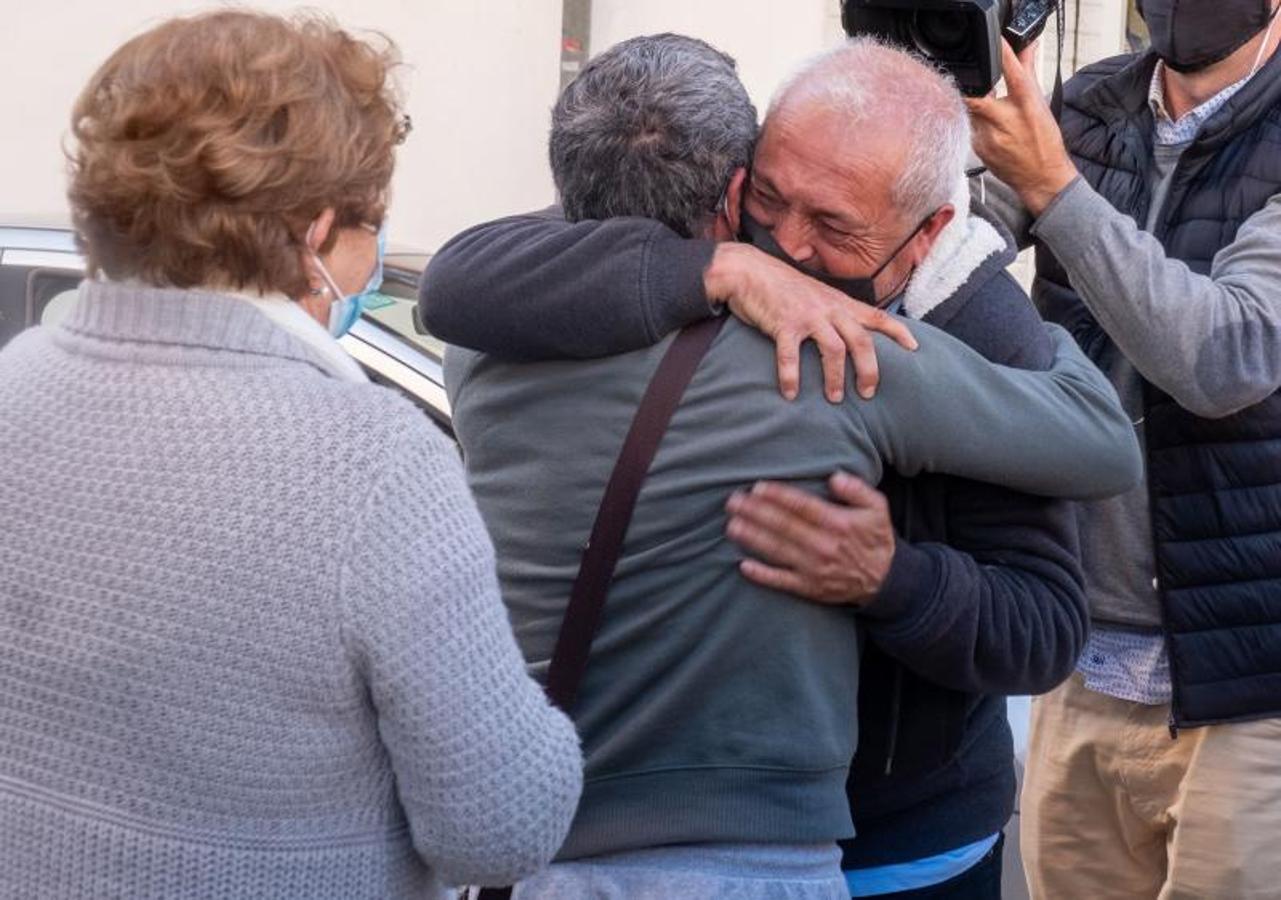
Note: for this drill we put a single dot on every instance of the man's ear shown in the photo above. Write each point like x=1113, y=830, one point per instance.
x=734, y=199
x=930, y=231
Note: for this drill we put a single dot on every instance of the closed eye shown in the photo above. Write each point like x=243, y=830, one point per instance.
x=769, y=201
x=835, y=232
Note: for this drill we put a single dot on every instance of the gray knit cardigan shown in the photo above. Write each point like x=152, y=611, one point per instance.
x=251, y=641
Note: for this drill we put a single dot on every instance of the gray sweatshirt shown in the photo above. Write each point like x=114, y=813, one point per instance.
x=1212, y=342
x=714, y=709
x=251, y=643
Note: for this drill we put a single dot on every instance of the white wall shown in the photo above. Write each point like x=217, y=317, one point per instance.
x=1101, y=33
x=481, y=78
x=769, y=38
x=480, y=81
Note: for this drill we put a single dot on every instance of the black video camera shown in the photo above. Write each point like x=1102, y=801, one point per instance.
x=962, y=36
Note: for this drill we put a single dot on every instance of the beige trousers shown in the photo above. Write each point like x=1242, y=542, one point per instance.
x=1113, y=807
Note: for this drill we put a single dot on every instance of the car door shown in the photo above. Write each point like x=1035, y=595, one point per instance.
x=37, y=265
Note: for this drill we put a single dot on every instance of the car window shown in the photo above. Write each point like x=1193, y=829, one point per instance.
x=28, y=280
x=393, y=306
x=44, y=286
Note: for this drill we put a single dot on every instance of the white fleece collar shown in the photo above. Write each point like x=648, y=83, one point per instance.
x=294, y=319
x=965, y=244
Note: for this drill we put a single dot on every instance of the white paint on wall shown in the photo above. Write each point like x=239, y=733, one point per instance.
x=480, y=79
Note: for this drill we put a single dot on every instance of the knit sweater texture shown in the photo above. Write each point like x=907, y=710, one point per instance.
x=251, y=640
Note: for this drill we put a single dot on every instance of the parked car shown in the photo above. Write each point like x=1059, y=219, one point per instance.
x=40, y=268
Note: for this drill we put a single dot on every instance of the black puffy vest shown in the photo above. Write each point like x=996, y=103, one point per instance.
x=1215, y=484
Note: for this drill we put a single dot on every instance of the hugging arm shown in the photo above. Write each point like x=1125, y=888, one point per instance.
x=538, y=287
x=999, y=609
x=1060, y=433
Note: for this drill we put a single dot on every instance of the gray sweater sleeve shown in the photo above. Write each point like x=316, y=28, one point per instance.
x=488, y=773
x=1212, y=342
x=944, y=408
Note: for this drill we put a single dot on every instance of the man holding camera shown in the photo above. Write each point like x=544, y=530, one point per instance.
x=1155, y=207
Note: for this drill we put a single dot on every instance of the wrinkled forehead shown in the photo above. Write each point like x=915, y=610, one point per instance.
x=814, y=157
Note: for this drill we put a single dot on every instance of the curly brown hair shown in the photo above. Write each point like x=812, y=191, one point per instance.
x=203, y=148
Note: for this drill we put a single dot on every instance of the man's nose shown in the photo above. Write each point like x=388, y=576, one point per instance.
x=792, y=234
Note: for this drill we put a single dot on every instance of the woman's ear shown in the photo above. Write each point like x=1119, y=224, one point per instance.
x=315, y=300
x=318, y=231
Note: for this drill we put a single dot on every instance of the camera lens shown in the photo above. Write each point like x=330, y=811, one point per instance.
x=941, y=34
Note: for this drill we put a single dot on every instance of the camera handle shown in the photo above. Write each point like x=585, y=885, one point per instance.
x=1056, y=98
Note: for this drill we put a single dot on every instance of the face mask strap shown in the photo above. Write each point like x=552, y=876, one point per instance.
x=901, y=247
x=859, y=288
x=889, y=298
x=1267, y=36
x=321, y=268
x=332, y=285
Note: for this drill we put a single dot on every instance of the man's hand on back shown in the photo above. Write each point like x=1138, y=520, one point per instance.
x=837, y=553
x=792, y=308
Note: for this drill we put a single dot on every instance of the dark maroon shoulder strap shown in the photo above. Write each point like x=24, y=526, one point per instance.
x=600, y=555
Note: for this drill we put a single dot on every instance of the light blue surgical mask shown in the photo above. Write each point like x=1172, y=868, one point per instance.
x=345, y=310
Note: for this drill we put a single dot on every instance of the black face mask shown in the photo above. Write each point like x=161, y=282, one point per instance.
x=1191, y=35
x=862, y=289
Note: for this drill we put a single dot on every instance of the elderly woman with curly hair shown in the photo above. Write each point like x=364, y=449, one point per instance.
x=251, y=642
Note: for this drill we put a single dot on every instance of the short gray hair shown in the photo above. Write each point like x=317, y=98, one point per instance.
x=654, y=127
x=876, y=86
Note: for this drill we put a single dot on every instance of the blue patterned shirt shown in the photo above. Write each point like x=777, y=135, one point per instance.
x=1182, y=131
